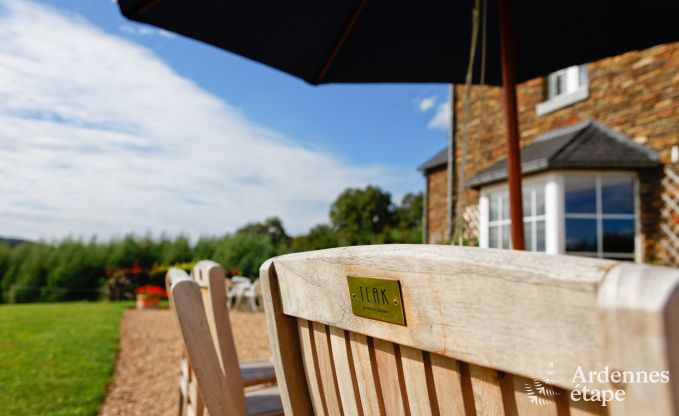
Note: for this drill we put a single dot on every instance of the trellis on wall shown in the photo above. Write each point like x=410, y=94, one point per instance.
x=470, y=217
x=669, y=224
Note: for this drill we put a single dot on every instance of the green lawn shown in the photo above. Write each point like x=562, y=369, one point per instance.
x=56, y=359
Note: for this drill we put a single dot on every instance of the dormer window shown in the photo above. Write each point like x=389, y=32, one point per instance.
x=564, y=87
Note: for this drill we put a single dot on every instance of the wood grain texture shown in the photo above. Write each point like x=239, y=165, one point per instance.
x=255, y=372
x=583, y=408
x=285, y=347
x=211, y=277
x=344, y=370
x=326, y=369
x=503, y=315
x=264, y=402
x=213, y=372
x=311, y=370
x=640, y=310
x=531, y=401
x=448, y=385
x=442, y=290
x=416, y=384
x=195, y=401
x=387, y=369
x=205, y=363
x=366, y=375
x=487, y=391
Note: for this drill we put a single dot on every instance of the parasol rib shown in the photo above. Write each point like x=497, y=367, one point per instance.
x=340, y=41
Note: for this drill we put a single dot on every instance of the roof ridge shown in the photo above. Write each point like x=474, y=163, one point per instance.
x=583, y=128
x=560, y=131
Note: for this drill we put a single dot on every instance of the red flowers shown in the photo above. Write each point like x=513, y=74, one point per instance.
x=151, y=291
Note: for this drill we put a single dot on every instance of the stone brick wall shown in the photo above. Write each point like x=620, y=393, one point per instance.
x=437, y=211
x=636, y=93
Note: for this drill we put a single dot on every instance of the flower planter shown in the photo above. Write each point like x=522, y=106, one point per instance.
x=147, y=302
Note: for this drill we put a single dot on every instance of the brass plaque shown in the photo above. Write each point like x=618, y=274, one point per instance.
x=378, y=299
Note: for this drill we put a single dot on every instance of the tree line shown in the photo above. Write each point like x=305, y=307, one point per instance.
x=75, y=269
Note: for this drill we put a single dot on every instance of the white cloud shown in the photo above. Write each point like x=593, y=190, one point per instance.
x=100, y=136
x=427, y=103
x=142, y=30
x=441, y=118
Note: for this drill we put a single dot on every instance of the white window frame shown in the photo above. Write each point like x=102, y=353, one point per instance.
x=555, y=210
x=500, y=190
x=600, y=216
x=576, y=89
x=500, y=223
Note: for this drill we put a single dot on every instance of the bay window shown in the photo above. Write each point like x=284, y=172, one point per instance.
x=572, y=212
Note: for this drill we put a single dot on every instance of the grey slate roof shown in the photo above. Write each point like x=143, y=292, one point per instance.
x=585, y=145
x=439, y=159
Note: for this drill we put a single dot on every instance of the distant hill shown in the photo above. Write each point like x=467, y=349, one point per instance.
x=13, y=242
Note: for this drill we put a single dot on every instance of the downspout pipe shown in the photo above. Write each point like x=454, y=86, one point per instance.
x=451, y=165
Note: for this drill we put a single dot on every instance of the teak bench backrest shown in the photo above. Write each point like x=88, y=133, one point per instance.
x=485, y=330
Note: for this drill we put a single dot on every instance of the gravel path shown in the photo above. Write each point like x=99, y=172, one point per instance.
x=147, y=370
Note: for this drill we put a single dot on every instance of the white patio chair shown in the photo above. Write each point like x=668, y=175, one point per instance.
x=252, y=294
x=237, y=285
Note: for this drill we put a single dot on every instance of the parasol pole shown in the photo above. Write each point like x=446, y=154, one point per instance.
x=512, y=123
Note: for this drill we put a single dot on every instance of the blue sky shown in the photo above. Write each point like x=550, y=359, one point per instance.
x=72, y=74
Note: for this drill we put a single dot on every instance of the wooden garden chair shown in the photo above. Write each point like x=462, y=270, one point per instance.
x=479, y=332
x=211, y=277
x=202, y=314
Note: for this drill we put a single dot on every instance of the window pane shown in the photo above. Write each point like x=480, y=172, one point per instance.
x=493, y=236
x=528, y=235
x=505, y=207
x=560, y=84
x=581, y=235
x=540, y=201
x=580, y=194
x=505, y=236
x=540, y=237
x=582, y=76
x=494, y=209
x=619, y=236
x=617, y=194
x=527, y=202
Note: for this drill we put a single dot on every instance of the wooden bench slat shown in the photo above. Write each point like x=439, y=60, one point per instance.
x=311, y=368
x=211, y=278
x=448, y=385
x=326, y=369
x=487, y=391
x=264, y=402
x=415, y=377
x=257, y=372
x=583, y=408
x=366, y=372
x=344, y=369
x=387, y=369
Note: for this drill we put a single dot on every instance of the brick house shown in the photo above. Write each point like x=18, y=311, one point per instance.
x=600, y=161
